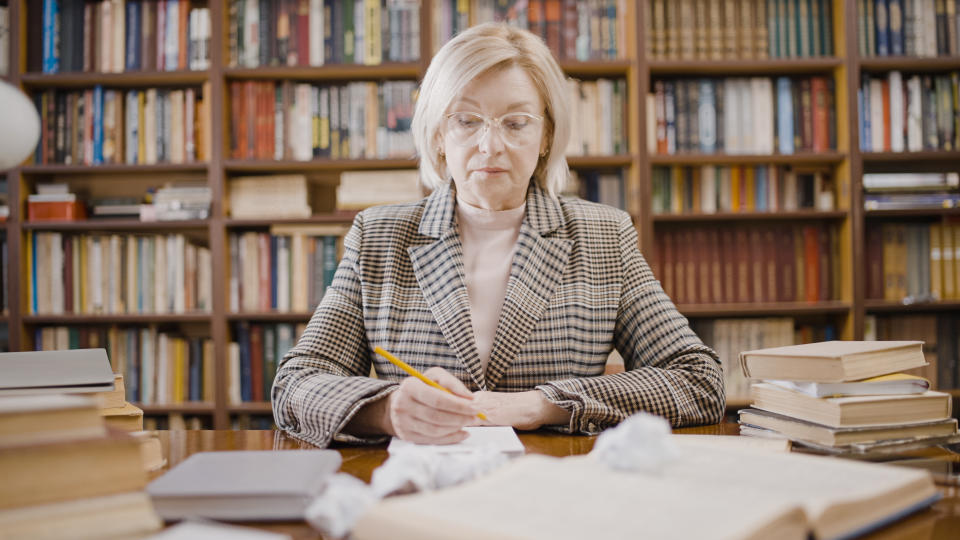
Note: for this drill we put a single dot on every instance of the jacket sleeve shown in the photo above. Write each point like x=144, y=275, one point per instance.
x=324, y=380
x=669, y=371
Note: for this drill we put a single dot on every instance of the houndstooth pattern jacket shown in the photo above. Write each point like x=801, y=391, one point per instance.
x=578, y=288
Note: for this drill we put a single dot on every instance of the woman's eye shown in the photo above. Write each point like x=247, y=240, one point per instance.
x=515, y=125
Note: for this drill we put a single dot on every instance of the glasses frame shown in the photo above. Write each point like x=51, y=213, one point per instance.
x=487, y=123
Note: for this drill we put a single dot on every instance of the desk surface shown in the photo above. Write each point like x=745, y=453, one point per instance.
x=941, y=522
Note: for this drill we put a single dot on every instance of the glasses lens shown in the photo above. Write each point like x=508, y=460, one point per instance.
x=462, y=127
x=519, y=129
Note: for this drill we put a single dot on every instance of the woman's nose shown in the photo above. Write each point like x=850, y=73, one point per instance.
x=490, y=140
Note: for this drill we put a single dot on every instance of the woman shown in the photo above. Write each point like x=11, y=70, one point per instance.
x=495, y=288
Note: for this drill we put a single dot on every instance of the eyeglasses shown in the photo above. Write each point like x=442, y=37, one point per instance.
x=516, y=129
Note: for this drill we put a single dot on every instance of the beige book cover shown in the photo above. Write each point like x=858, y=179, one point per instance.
x=832, y=361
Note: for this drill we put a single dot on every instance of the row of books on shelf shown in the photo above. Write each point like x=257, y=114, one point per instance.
x=253, y=358
x=895, y=191
x=913, y=262
x=739, y=115
x=708, y=189
x=318, y=32
x=158, y=367
x=717, y=29
x=583, y=30
x=113, y=36
x=598, y=186
x=738, y=263
x=116, y=274
x=920, y=113
x=598, y=113
x=104, y=126
x=288, y=269
x=730, y=336
x=908, y=27
x=302, y=121
x=172, y=202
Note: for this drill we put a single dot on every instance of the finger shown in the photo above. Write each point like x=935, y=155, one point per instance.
x=438, y=399
x=447, y=380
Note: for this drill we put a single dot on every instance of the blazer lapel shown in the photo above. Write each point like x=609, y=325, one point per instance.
x=438, y=267
x=537, y=270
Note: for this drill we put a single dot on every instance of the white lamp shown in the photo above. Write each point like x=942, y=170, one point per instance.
x=19, y=126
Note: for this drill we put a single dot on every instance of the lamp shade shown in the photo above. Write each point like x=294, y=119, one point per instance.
x=19, y=126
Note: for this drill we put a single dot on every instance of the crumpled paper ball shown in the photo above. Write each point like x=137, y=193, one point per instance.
x=642, y=443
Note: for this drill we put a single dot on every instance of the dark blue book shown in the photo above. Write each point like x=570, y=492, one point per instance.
x=882, y=23
x=97, y=125
x=246, y=370
x=195, y=390
x=132, y=27
x=895, y=22
x=132, y=376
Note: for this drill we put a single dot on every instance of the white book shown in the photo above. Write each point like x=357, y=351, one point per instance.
x=895, y=82
x=914, y=115
x=163, y=369
x=179, y=304
x=574, y=144
x=204, y=274
x=131, y=270
x=175, y=150
x=150, y=127
x=119, y=36
x=896, y=383
x=316, y=32
x=113, y=280
x=604, y=115
x=235, y=271
x=56, y=271
x=96, y=273
x=193, y=30
x=876, y=114
x=160, y=274
x=283, y=273
x=131, y=144
x=233, y=374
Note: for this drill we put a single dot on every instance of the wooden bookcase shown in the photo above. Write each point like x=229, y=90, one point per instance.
x=847, y=163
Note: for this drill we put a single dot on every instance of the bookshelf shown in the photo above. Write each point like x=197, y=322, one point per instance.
x=845, y=163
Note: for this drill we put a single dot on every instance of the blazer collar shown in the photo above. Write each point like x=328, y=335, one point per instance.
x=543, y=211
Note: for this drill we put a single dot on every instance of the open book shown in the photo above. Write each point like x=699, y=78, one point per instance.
x=710, y=491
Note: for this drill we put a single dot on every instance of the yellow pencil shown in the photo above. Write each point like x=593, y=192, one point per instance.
x=414, y=373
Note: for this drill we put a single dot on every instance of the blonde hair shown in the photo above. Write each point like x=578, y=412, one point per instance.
x=475, y=52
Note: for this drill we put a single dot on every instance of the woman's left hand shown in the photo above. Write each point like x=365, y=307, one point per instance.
x=522, y=410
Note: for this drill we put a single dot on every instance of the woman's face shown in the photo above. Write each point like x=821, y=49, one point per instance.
x=492, y=170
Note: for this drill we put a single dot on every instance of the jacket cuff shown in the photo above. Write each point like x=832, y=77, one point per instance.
x=570, y=402
x=339, y=434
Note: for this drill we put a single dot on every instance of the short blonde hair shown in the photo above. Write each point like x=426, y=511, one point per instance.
x=475, y=52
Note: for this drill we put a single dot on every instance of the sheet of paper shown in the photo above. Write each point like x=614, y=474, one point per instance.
x=502, y=438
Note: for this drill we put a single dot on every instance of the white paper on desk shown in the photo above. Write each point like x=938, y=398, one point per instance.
x=501, y=438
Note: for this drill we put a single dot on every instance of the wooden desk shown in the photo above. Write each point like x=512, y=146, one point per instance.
x=941, y=522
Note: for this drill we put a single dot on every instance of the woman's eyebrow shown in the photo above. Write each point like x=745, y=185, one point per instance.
x=514, y=105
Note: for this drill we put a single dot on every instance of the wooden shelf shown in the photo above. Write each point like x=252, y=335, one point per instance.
x=602, y=68
x=886, y=306
x=787, y=66
x=754, y=309
x=943, y=156
x=117, y=169
x=749, y=216
x=252, y=407
x=190, y=407
x=910, y=63
x=131, y=79
x=251, y=166
x=914, y=212
x=591, y=162
x=742, y=159
x=117, y=319
x=114, y=225
x=344, y=217
x=328, y=72
x=271, y=316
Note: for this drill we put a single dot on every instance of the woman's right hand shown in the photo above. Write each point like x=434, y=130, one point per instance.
x=422, y=414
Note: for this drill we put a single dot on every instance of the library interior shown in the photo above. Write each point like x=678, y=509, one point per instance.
x=732, y=278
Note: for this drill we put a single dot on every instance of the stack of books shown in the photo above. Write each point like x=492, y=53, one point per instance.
x=54, y=202
x=845, y=397
x=66, y=475
x=84, y=372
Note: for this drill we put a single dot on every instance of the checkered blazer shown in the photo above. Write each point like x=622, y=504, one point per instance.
x=578, y=288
